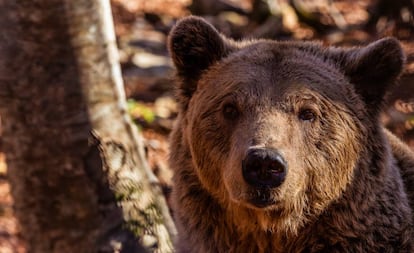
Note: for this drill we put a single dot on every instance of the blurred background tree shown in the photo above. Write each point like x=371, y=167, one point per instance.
x=76, y=164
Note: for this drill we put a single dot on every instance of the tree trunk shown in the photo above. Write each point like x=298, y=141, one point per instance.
x=76, y=165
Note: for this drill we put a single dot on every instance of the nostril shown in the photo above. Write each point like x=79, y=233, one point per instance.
x=277, y=164
x=264, y=168
x=255, y=163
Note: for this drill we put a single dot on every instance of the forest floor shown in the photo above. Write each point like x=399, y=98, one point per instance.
x=142, y=27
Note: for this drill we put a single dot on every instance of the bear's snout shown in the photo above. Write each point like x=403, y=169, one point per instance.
x=264, y=167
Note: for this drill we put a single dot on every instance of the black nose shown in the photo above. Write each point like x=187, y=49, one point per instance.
x=264, y=168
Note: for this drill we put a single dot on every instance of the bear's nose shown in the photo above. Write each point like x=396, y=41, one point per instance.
x=264, y=168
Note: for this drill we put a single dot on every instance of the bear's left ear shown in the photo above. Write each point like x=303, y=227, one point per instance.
x=194, y=45
x=373, y=69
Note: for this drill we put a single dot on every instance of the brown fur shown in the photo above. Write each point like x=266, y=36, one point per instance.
x=404, y=157
x=343, y=191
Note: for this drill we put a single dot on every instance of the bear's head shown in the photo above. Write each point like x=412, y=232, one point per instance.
x=277, y=128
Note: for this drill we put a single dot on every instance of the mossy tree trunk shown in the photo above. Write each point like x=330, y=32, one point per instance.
x=76, y=166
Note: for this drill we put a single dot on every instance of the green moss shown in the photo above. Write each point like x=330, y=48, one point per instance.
x=140, y=110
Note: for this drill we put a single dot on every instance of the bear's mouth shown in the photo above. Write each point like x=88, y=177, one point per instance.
x=261, y=198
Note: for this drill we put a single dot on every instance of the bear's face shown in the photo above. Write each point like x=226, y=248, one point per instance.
x=271, y=103
x=275, y=126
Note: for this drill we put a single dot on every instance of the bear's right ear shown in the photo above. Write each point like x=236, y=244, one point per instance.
x=195, y=45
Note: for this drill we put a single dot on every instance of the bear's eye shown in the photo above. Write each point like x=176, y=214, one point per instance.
x=230, y=112
x=307, y=115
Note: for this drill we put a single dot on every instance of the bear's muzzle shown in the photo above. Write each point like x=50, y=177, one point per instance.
x=264, y=168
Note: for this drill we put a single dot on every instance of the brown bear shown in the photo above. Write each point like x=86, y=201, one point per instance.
x=278, y=146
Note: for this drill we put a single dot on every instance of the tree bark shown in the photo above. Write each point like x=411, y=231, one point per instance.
x=76, y=166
